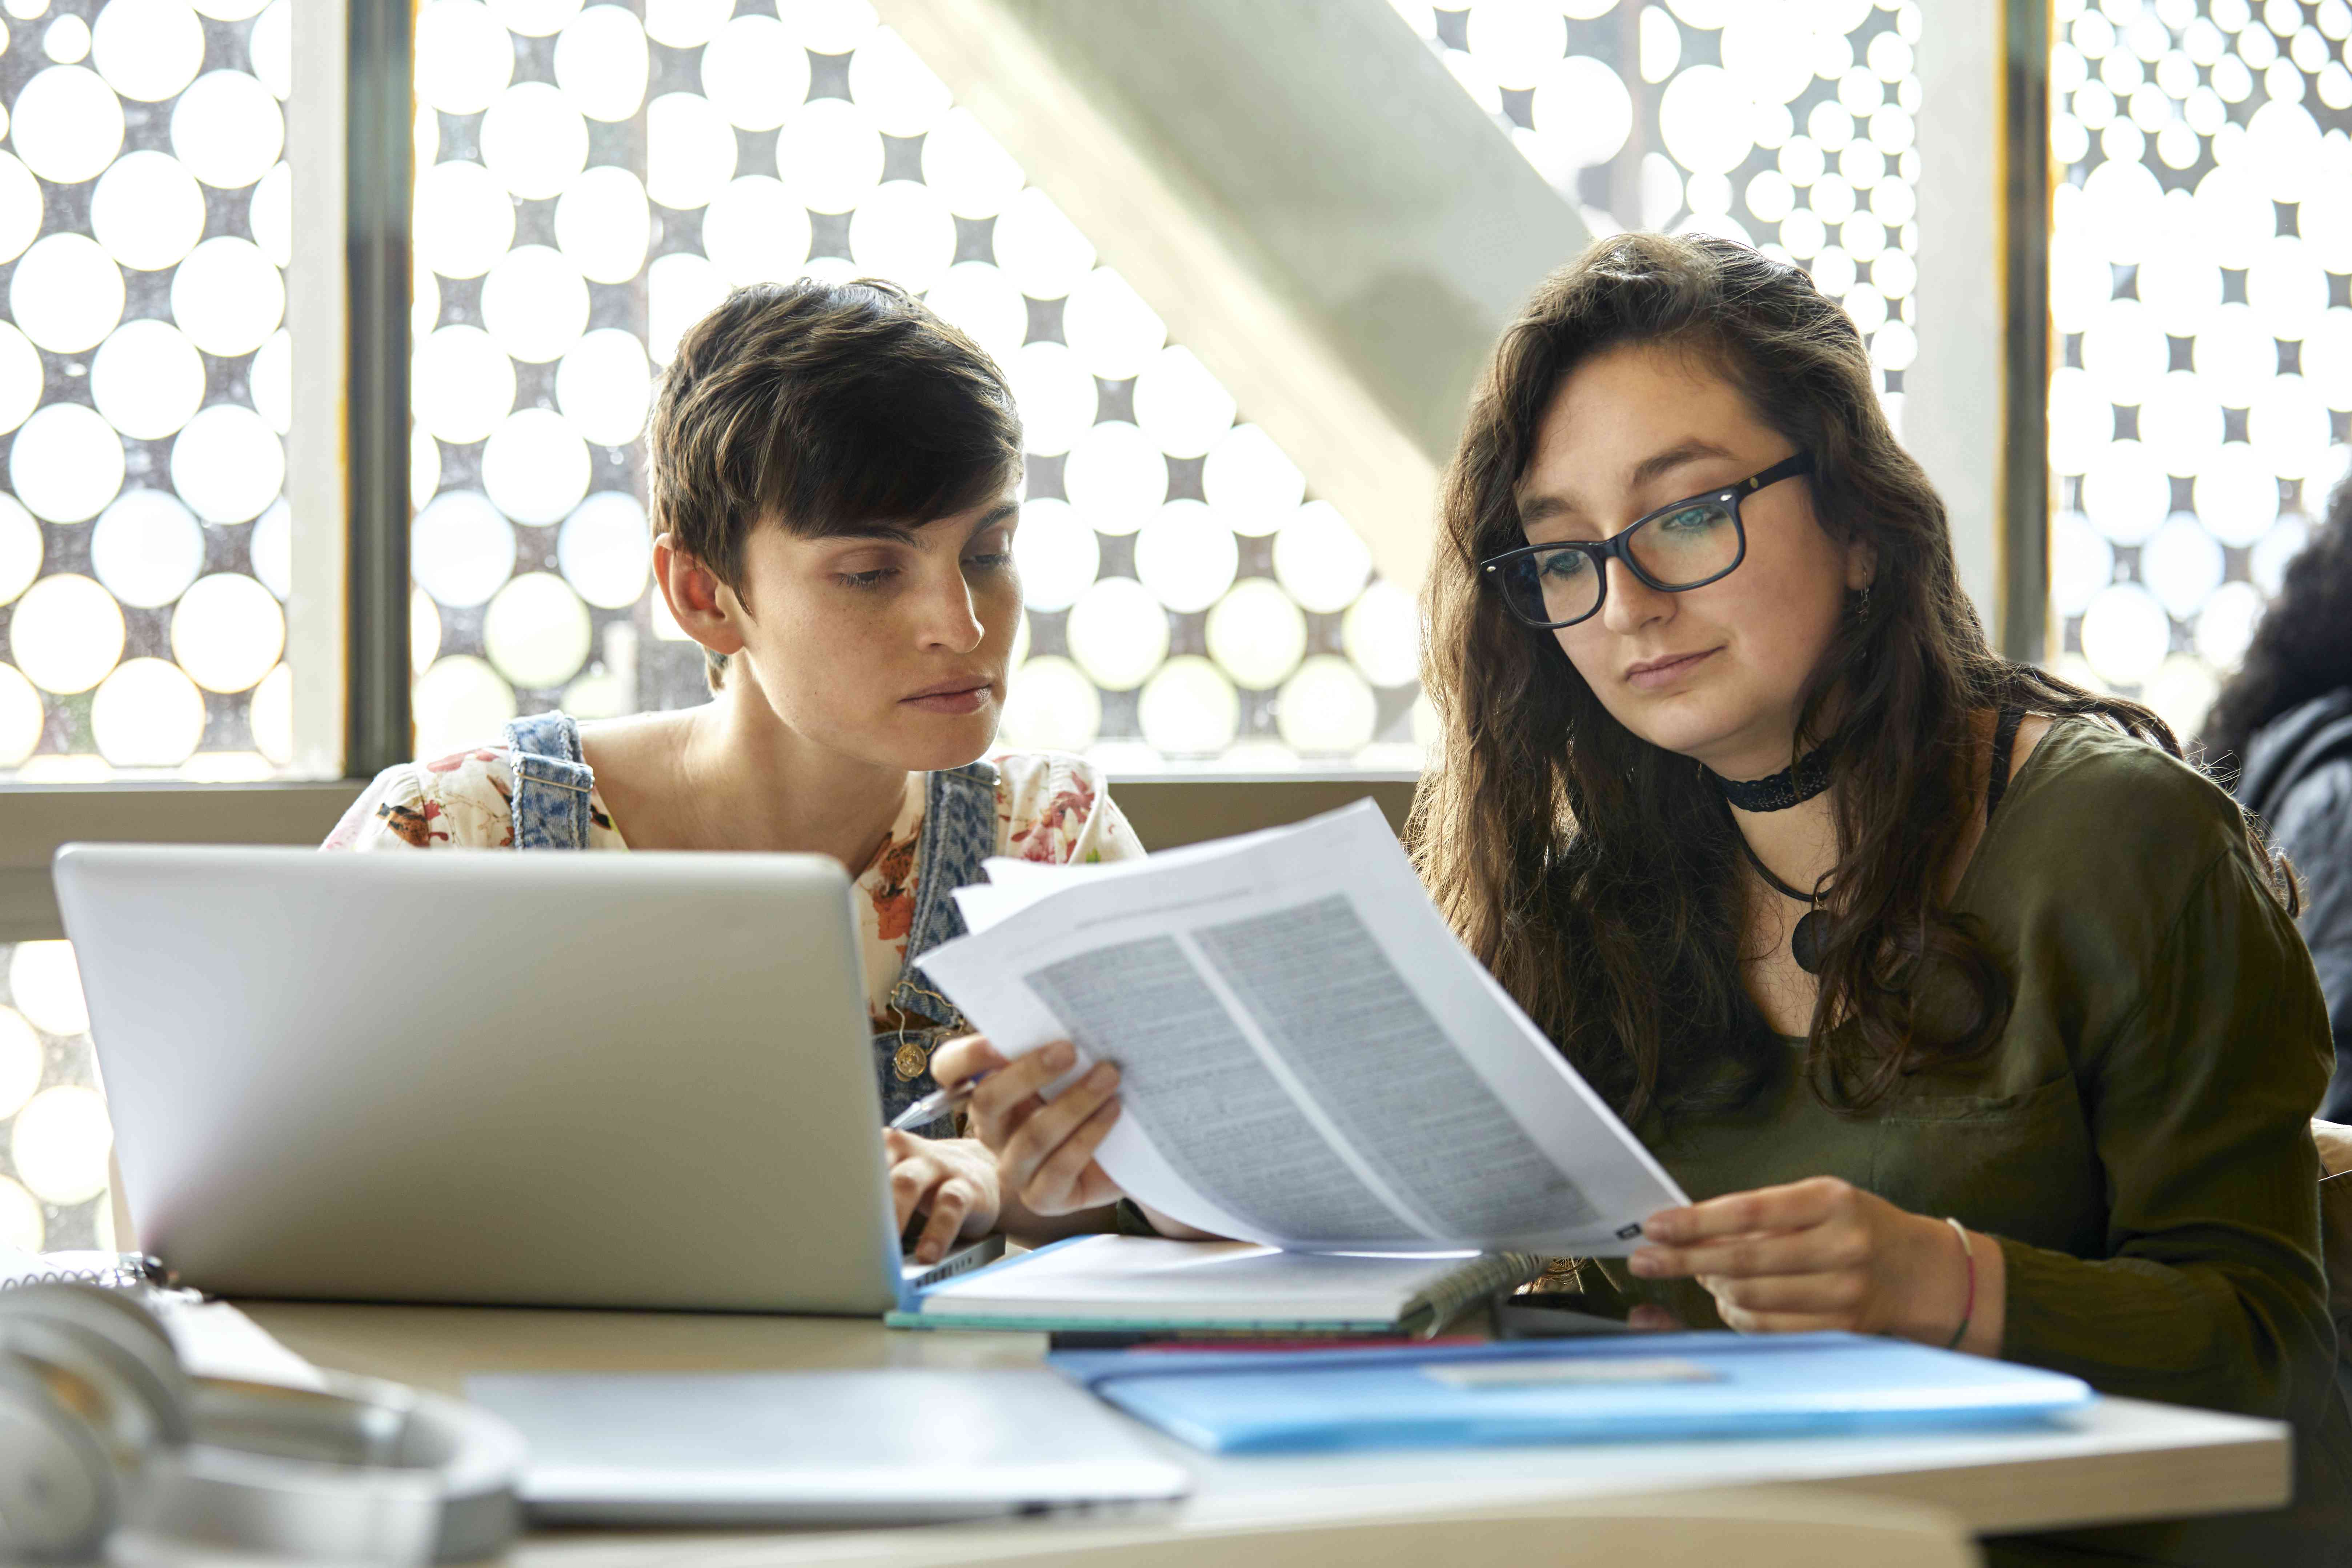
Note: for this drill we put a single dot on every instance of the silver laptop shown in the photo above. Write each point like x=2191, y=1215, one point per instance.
x=897, y=1446
x=636, y=1080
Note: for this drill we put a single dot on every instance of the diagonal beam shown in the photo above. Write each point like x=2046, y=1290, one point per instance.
x=1300, y=189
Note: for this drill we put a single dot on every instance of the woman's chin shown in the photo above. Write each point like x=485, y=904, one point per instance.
x=932, y=743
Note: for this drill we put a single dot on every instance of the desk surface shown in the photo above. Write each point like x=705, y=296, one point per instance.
x=2119, y=1460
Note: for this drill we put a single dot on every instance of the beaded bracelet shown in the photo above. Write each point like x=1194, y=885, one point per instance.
x=1969, y=1313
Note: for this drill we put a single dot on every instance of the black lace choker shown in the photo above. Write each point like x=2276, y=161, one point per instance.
x=1779, y=792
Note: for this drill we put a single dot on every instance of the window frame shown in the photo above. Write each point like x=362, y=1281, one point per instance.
x=350, y=123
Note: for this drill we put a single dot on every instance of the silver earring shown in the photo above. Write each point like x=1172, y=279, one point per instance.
x=1862, y=609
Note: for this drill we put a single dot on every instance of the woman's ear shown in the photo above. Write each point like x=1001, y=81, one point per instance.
x=705, y=608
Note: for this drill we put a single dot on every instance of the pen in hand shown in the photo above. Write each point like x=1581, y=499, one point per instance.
x=936, y=1104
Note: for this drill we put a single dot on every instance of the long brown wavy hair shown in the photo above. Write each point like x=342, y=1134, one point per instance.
x=1598, y=876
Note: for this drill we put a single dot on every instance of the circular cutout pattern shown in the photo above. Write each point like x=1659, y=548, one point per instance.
x=464, y=219
x=148, y=49
x=689, y=150
x=755, y=231
x=147, y=548
x=464, y=57
x=537, y=631
x=1115, y=477
x=227, y=632
x=602, y=223
x=602, y=62
x=66, y=464
x=67, y=634
x=1118, y=632
x=830, y=155
x=534, y=141
x=535, y=303
x=460, y=701
x=755, y=73
x=227, y=129
x=535, y=467
x=147, y=211
x=147, y=714
x=67, y=124
x=604, y=385
x=147, y=379
x=227, y=298
x=461, y=549
x=228, y=464
x=1257, y=634
x=464, y=384
x=66, y=294
x=605, y=549
x=1057, y=554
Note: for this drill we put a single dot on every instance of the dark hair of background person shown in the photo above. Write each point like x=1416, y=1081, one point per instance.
x=828, y=409
x=1598, y=876
x=2302, y=647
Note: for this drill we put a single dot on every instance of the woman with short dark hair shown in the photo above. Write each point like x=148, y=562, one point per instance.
x=1967, y=1011
x=835, y=480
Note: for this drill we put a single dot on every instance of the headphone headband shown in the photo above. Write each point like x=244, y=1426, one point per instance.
x=357, y=1470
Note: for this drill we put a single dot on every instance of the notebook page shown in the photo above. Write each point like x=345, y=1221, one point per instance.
x=1309, y=1058
x=1131, y=1276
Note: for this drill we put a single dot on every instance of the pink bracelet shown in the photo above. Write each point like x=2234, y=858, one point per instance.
x=1969, y=1252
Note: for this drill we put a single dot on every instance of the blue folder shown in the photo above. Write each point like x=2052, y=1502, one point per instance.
x=1609, y=1389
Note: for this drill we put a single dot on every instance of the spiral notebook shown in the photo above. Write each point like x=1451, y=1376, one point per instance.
x=1147, y=1285
x=86, y=1266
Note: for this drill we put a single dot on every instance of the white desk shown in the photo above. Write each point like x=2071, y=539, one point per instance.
x=2121, y=1460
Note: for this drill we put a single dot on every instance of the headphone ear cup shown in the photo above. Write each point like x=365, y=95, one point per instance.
x=89, y=1386
x=59, y=1495
x=116, y=1336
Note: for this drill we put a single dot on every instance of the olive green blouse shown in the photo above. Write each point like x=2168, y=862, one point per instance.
x=2138, y=1140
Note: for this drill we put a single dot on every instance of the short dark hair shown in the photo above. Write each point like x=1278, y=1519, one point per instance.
x=828, y=409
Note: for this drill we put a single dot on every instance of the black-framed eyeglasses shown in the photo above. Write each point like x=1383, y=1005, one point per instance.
x=1695, y=541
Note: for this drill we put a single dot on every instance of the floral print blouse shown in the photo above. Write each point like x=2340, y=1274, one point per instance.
x=1050, y=807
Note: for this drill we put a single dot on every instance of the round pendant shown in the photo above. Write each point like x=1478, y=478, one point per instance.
x=1805, y=941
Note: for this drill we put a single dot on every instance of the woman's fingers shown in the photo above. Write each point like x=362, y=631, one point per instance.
x=1794, y=1207
x=950, y=1200
x=1001, y=1100
x=965, y=1057
x=1049, y=1126
x=1748, y=1322
x=1062, y=1176
x=912, y=1176
x=1839, y=1295
x=1824, y=1248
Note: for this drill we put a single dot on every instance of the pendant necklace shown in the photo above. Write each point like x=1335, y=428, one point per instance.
x=1789, y=787
x=1812, y=926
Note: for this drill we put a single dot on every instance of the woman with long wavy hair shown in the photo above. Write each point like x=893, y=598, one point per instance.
x=1969, y=1011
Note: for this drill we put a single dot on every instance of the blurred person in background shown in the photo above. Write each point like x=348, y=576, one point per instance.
x=2284, y=724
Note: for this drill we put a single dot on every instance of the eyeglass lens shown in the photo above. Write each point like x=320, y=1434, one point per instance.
x=1680, y=550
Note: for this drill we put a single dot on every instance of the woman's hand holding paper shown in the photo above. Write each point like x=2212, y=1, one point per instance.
x=1824, y=1254
x=1045, y=1149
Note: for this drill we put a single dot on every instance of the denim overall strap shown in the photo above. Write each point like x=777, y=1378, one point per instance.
x=551, y=783
x=959, y=833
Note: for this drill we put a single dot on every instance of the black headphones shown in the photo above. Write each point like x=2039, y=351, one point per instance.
x=104, y=1437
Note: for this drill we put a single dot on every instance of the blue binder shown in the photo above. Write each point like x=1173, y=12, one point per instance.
x=1609, y=1389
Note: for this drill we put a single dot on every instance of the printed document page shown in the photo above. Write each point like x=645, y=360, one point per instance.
x=1308, y=1057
